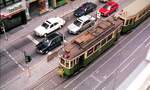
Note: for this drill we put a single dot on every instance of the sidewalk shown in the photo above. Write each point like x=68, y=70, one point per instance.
x=27, y=78
x=22, y=81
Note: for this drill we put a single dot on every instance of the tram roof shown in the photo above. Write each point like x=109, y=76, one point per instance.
x=89, y=38
x=134, y=8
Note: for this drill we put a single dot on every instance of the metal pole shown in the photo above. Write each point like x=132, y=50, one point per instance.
x=28, y=69
x=25, y=5
x=3, y=28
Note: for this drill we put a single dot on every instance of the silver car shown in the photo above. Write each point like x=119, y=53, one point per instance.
x=81, y=24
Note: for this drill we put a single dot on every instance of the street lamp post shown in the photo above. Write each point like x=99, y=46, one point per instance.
x=27, y=60
x=3, y=29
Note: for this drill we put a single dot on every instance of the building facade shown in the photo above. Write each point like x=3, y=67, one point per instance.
x=17, y=12
x=12, y=14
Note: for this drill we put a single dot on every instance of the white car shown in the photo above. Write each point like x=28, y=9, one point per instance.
x=49, y=26
x=81, y=24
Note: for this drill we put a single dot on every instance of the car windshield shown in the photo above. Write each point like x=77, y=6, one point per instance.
x=77, y=22
x=45, y=43
x=107, y=7
x=45, y=25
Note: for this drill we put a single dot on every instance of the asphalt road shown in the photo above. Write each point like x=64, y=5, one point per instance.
x=14, y=53
x=115, y=65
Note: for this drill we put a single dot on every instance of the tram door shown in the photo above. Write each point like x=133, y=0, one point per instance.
x=81, y=60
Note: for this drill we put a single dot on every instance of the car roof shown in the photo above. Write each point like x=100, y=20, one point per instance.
x=110, y=3
x=52, y=20
x=53, y=35
x=84, y=18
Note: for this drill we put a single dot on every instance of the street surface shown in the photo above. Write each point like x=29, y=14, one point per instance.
x=110, y=69
x=23, y=39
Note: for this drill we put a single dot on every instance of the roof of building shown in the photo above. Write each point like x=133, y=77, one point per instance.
x=89, y=38
x=134, y=8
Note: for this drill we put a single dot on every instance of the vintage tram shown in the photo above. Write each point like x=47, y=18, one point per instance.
x=88, y=46
x=133, y=14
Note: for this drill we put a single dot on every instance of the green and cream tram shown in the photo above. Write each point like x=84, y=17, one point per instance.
x=88, y=46
x=134, y=13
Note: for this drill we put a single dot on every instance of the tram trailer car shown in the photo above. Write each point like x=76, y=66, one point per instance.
x=133, y=14
x=88, y=46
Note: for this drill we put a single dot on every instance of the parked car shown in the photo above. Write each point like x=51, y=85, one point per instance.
x=50, y=42
x=81, y=24
x=49, y=26
x=85, y=9
x=108, y=8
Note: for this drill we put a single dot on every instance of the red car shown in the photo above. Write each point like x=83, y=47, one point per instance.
x=108, y=8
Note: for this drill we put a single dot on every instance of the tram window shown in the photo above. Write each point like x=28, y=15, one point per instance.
x=71, y=63
x=103, y=41
x=97, y=46
x=67, y=64
x=62, y=61
x=90, y=52
x=130, y=21
x=127, y=21
x=109, y=37
x=76, y=60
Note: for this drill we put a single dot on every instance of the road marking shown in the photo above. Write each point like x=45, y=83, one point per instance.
x=95, y=78
x=124, y=46
x=32, y=39
x=16, y=62
x=148, y=55
x=127, y=65
x=80, y=83
x=147, y=44
x=10, y=81
x=125, y=61
x=107, y=53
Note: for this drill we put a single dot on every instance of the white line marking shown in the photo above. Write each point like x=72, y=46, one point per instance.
x=127, y=65
x=80, y=83
x=124, y=46
x=32, y=39
x=95, y=78
x=126, y=60
x=9, y=82
x=107, y=53
x=16, y=62
x=148, y=55
x=147, y=44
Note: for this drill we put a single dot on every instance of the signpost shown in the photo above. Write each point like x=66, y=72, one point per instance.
x=3, y=28
x=27, y=60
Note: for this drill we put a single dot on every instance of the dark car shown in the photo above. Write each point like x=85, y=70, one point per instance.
x=50, y=42
x=85, y=9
